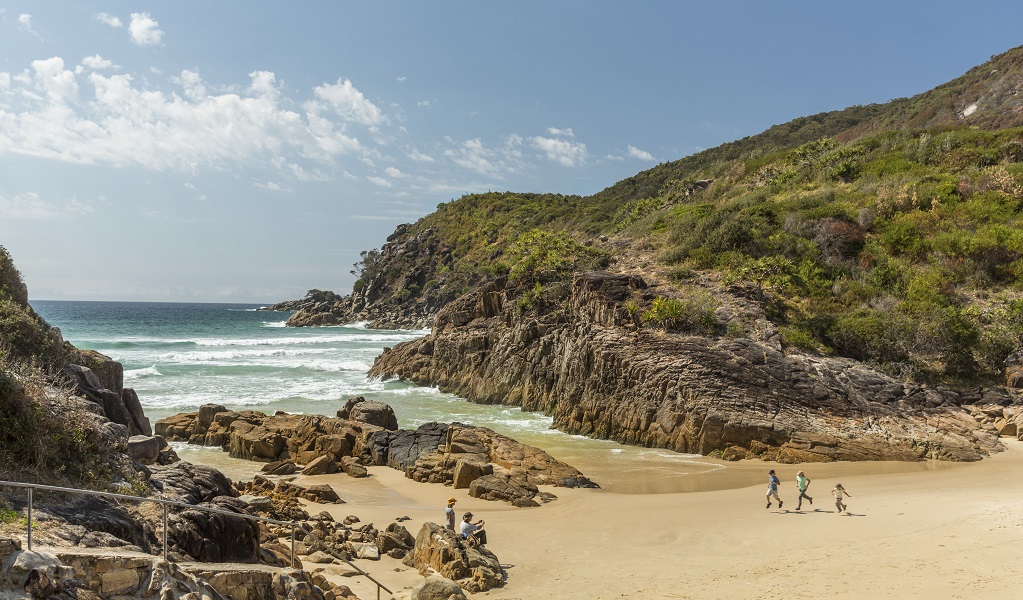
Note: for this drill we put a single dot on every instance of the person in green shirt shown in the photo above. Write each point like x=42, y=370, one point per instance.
x=802, y=482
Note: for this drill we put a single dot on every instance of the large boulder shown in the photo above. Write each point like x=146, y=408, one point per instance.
x=368, y=411
x=145, y=448
x=214, y=537
x=440, y=550
x=400, y=449
x=436, y=587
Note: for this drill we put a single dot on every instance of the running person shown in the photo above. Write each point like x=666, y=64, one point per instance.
x=839, y=492
x=802, y=482
x=772, y=488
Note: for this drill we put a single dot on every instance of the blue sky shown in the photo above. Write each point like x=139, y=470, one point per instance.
x=248, y=151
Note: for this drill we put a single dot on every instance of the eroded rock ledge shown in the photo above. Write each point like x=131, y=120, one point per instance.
x=491, y=465
x=596, y=373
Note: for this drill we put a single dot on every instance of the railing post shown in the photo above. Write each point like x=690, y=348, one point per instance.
x=29, y=519
x=292, y=545
x=164, y=532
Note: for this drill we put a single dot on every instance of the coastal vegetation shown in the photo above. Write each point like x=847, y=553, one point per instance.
x=890, y=234
x=43, y=437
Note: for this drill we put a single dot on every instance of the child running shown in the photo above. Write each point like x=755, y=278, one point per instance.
x=772, y=488
x=802, y=481
x=839, y=493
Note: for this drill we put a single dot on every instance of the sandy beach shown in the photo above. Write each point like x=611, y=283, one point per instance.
x=912, y=530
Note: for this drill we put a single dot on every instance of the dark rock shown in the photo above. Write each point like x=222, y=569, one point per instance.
x=192, y=483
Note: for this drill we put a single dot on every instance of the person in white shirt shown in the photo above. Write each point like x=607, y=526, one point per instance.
x=839, y=493
x=475, y=530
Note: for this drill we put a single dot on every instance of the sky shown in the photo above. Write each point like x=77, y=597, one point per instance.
x=229, y=151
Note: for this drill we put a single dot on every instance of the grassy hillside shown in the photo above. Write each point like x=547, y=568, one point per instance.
x=886, y=233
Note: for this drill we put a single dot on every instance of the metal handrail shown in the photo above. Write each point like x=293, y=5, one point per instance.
x=321, y=546
x=295, y=526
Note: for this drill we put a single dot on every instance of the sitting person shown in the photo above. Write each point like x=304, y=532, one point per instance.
x=473, y=530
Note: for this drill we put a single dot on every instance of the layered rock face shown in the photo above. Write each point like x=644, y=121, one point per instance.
x=589, y=366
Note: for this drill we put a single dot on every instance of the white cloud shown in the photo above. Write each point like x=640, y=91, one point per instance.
x=423, y=103
x=394, y=172
x=5, y=81
x=400, y=78
x=124, y=123
x=562, y=132
x=144, y=30
x=473, y=155
x=347, y=102
x=25, y=23
x=614, y=157
x=379, y=181
x=110, y=20
x=567, y=154
x=640, y=154
x=31, y=207
x=270, y=186
x=414, y=154
x=96, y=62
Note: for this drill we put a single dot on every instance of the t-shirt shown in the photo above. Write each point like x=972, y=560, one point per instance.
x=468, y=528
x=773, y=482
x=802, y=482
x=449, y=517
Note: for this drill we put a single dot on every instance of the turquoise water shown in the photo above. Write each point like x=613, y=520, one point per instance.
x=179, y=356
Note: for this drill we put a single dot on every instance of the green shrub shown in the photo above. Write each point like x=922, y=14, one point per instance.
x=694, y=312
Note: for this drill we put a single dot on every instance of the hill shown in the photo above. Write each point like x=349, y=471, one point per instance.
x=887, y=233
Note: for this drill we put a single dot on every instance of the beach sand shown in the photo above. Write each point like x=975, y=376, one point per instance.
x=912, y=530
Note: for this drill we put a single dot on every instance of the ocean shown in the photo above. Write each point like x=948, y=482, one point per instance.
x=179, y=356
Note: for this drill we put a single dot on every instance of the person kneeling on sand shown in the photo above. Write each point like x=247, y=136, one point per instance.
x=839, y=492
x=473, y=530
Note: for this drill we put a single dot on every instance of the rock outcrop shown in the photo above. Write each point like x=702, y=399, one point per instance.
x=406, y=295
x=105, y=388
x=439, y=551
x=494, y=467
x=433, y=453
x=589, y=366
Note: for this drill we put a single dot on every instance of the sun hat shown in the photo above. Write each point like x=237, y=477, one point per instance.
x=771, y=472
x=451, y=500
x=466, y=515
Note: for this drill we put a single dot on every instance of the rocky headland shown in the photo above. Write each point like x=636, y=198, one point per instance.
x=589, y=364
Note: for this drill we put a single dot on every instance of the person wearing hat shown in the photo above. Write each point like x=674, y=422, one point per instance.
x=449, y=514
x=474, y=530
x=772, y=488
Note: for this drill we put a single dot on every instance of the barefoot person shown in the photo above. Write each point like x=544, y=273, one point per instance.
x=474, y=530
x=772, y=488
x=449, y=514
x=839, y=493
x=802, y=482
